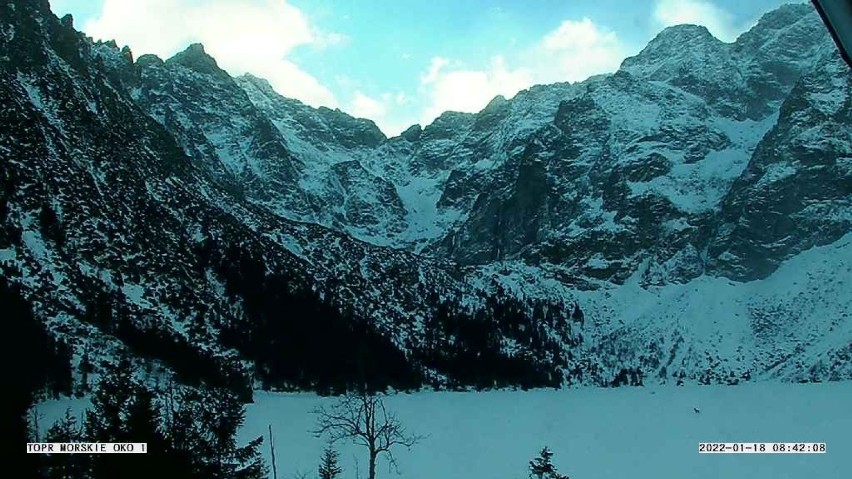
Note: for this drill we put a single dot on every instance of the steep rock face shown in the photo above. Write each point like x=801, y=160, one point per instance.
x=690, y=58
x=796, y=192
x=334, y=149
x=417, y=184
x=232, y=143
x=321, y=126
x=441, y=169
x=639, y=165
x=776, y=52
x=277, y=153
x=626, y=169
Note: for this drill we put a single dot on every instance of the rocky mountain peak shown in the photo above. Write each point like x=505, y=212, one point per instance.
x=682, y=35
x=448, y=125
x=674, y=49
x=680, y=39
x=783, y=16
x=350, y=131
x=495, y=103
x=148, y=60
x=412, y=133
x=197, y=59
x=67, y=21
x=793, y=28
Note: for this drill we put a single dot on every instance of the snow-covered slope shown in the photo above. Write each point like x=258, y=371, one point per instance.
x=594, y=433
x=668, y=221
x=794, y=325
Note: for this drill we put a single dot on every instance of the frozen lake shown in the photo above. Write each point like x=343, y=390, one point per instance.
x=635, y=433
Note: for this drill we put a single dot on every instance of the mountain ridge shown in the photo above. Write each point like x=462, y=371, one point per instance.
x=559, y=237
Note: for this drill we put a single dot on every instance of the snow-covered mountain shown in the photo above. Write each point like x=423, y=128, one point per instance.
x=685, y=217
x=640, y=164
x=123, y=234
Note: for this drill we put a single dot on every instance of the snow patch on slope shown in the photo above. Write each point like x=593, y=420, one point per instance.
x=800, y=312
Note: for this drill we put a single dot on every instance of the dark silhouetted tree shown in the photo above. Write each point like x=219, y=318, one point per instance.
x=84, y=368
x=542, y=467
x=329, y=468
x=66, y=466
x=50, y=225
x=29, y=376
x=363, y=419
x=577, y=315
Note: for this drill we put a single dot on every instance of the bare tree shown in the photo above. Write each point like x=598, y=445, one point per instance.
x=363, y=419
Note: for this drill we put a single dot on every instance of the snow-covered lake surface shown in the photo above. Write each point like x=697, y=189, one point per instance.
x=634, y=433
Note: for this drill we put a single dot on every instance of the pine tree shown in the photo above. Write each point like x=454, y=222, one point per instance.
x=201, y=428
x=66, y=466
x=142, y=424
x=106, y=421
x=329, y=468
x=84, y=368
x=60, y=369
x=184, y=436
x=110, y=403
x=251, y=465
x=542, y=467
x=578, y=315
x=50, y=226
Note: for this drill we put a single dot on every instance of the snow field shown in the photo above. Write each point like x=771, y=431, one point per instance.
x=636, y=433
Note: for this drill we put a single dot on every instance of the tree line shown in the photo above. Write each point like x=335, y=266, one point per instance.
x=300, y=338
x=190, y=433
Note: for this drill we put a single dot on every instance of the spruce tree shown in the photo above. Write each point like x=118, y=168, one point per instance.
x=50, y=226
x=84, y=368
x=542, y=467
x=201, y=427
x=142, y=424
x=251, y=465
x=329, y=468
x=66, y=466
x=106, y=421
x=110, y=403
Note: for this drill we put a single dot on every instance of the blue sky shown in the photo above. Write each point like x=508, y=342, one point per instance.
x=405, y=62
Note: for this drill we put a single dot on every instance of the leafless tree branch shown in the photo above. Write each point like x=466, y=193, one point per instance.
x=364, y=419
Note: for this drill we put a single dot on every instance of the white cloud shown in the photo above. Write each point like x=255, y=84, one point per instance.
x=576, y=35
x=469, y=90
x=365, y=107
x=577, y=50
x=718, y=21
x=574, y=51
x=327, y=40
x=435, y=66
x=383, y=110
x=244, y=36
